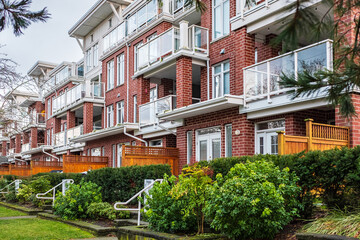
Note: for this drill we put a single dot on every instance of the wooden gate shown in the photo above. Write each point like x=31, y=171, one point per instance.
x=78, y=164
x=45, y=166
x=140, y=155
x=318, y=137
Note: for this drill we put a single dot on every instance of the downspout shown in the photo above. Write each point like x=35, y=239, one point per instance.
x=132, y=136
x=127, y=82
x=208, y=79
x=53, y=156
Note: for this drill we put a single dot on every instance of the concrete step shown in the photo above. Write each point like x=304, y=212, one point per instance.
x=47, y=207
x=128, y=222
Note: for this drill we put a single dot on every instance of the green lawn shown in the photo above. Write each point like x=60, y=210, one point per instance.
x=34, y=228
x=6, y=212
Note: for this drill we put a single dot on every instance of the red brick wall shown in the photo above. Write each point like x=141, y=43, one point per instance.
x=17, y=143
x=183, y=81
x=4, y=148
x=266, y=50
x=88, y=117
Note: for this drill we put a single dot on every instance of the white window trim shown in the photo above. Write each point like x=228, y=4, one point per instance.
x=266, y=130
x=111, y=117
x=110, y=75
x=189, y=154
x=135, y=108
x=221, y=74
x=155, y=141
x=226, y=143
x=120, y=60
x=120, y=105
x=221, y=4
x=197, y=145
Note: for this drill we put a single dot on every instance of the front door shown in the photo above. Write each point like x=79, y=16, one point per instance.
x=267, y=143
x=208, y=145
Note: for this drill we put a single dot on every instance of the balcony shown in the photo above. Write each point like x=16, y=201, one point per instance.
x=27, y=150
x=148, y=112
x=261, y=81
x=11, y=150
x=34, y=120
x=192, y=42
x=78, y=94
x=25, y=147
x=63, y=138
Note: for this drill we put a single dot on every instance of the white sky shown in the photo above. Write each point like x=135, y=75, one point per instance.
x=47, y=41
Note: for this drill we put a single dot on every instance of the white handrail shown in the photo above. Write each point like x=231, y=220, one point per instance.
x=133, y=197
x=17, y=185
x=63, y=184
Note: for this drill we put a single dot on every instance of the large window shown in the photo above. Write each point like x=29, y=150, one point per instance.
x=95, y=55
x=135, y=108
x=92, y=57
x=221, y=20
x=110, y=75
x=143, y=15
x=136, y=54
x=120, y=69
x=110, y=116
x=120, y=112
x=221, y=79
x=89, y=65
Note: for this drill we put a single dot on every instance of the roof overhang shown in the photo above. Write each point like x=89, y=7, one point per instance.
x=36, y=150
x=93, y=17
x=30, y=101
x=98, y=134
x=35, y=70
x=212, y=105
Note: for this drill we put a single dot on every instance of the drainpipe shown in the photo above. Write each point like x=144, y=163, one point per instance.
x=132, y=136
x=53, y=156
x=208, y=79
x=127, y=82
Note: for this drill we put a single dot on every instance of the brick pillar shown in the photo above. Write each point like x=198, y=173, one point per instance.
x=18, y=143
x=70, y=119
x=12, y=143
x=4, y=147
x=165, y=88
x=144, y=88
x=57, y=125
x=26, y=137
x=183, y=81
x=245, y=47
x=88, y=117
x=34, y=137
x=203, y=84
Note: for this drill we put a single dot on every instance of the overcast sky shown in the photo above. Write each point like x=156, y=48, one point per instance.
x=47, y=41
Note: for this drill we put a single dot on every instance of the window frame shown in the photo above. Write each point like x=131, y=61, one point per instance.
x=120, y=79
x=109, y=116
x=227, y=154
x=120, y=110
x=110, y=75
x=221, y=74
x=135, y=108
x=221, y=6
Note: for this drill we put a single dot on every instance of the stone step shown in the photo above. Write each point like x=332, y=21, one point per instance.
x=128, y=222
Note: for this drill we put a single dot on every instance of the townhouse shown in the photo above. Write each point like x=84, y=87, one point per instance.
x=164, y=76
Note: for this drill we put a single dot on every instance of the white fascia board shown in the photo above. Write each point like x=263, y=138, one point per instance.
x=151, y=129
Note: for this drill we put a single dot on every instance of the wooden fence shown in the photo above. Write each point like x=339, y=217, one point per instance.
x=140, y=155
x=45, y=166
x=4, y=170
x=21, y=170
x=78, y=164
x=318, y=137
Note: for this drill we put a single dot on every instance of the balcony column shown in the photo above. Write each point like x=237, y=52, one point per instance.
x=26, y=138
x=144, y=88
x=18, y=143
x=183, y=81
x=184, y=35
x=70, y=119
x=3, y=149
x=87, y=88
x=88, y=117
x=34, y=137
x=57, y=125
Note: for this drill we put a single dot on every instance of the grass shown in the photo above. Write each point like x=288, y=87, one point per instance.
x=6, y=212
x=337, y=223
x=34, y=228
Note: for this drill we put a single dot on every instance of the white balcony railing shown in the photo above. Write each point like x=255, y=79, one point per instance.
x=62, y=138
x=34, y=119
x=11, y=150
x=262, y=79
x=244, y=6
x=148, y=112
x=168, y=43
x=25, y=147
x=75, y=94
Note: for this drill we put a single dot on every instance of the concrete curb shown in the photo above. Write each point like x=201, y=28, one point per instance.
x=313, y=236
x=29, y=211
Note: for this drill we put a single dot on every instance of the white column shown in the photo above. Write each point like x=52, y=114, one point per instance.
x=184, y=35
x=166, y=7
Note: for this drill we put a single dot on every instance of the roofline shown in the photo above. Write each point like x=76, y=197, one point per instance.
x=59, y=66
x=38, y=63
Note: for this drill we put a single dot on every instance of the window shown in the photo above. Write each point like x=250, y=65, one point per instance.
x=267, y=136
x=95, y=55
x=120, y=112
x=155, y=143
x=48, y=108
x=52, y=136
x=110, y=116
x=110, y=75
x=208, y=143
x=120, y=70
x=153, y=94
x=48, y=137
x=89, y=65
x=228, y=140
x=221, y=79
x=113, y=155
x=221, y=20
x=135, y=108
x=189, y=144
x=96, y=152
x=136, y=54
x=48, y=159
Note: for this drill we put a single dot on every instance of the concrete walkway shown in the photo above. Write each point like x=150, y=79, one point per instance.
x=17, y=217
x=98, y=238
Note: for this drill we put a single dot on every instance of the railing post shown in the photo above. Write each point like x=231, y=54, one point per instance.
x=268, y=81
x=184, y=35
x=309, y=133
x=281, y=142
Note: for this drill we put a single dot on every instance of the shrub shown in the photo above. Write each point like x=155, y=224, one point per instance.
x=120, y=184
x=28, y=190
x=98, y=210
x=255, y=200
x=25, y=192
x=77, y=199
x=56, y=178
x=165, y=213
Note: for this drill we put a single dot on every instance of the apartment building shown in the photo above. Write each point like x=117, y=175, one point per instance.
x=165, y=75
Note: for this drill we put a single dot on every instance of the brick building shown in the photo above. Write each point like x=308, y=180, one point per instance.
x=166, y=75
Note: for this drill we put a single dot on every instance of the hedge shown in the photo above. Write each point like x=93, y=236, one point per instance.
x=120, y=184
x=56, y=178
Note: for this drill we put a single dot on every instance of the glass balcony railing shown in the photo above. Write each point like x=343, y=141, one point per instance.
x=75, y=94
x=262, y=79
x=25, y=147
x=168, y=43
x=11, y=150
x=115, y=37
x=148, y=112
x=34, y=119
x=62, y=138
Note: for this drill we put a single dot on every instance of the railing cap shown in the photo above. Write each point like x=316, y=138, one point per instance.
x=309, y=120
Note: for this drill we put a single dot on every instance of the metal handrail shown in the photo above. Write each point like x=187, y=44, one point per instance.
x=133, y=197
x=64, y=181
x=7, y=186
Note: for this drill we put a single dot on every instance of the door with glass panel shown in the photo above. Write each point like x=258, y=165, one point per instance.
x=119, y=153
x=208, y=144
x=267, y=136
